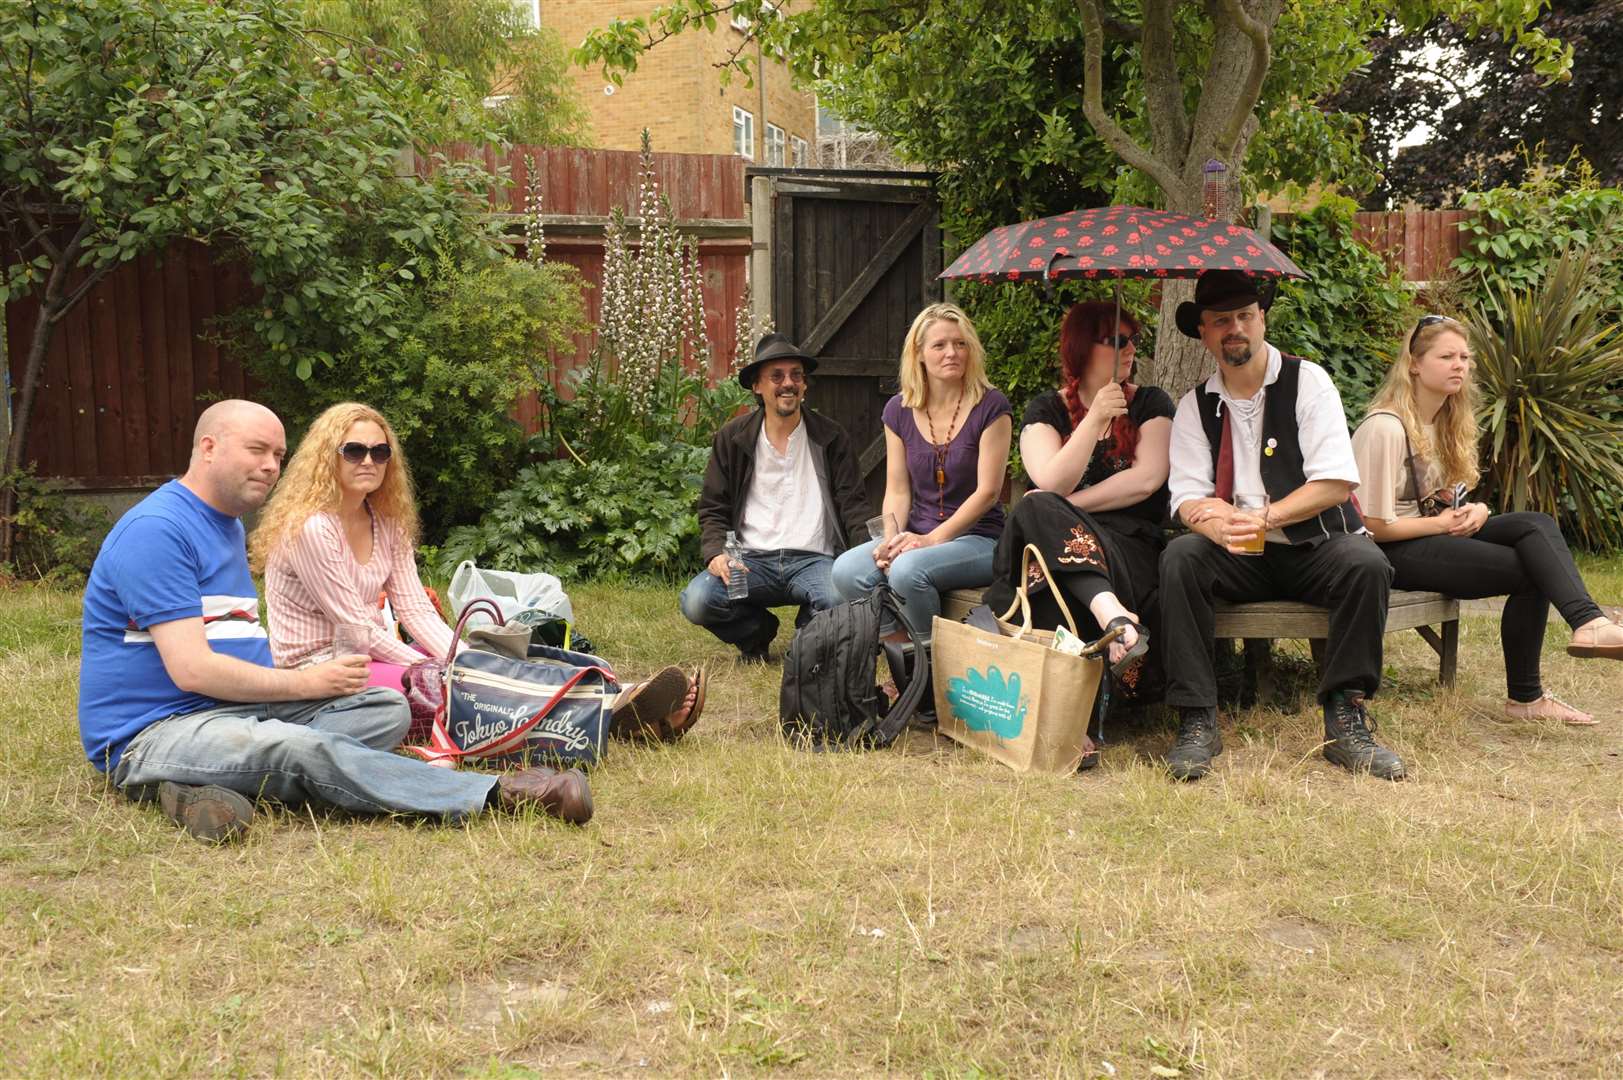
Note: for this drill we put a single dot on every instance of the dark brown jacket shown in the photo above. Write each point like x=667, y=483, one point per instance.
x=732, y=466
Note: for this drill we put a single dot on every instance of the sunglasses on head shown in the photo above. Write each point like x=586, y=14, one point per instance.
x=355, y=453
x=1425, y=321
x=1120, y=341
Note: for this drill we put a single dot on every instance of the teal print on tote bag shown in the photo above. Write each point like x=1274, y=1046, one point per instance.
x=988, y=703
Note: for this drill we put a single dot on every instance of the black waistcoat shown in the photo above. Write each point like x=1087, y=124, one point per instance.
x=1282, y=471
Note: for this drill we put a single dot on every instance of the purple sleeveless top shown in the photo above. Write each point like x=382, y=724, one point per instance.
x=931, y=504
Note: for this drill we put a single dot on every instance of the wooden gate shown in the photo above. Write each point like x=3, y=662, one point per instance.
x=851, y=258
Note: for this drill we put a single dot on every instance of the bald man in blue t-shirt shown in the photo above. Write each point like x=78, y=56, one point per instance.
x=178, y=697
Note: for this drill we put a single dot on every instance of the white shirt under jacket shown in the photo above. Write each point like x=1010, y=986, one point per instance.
x=783, y=510
x=1321, y=426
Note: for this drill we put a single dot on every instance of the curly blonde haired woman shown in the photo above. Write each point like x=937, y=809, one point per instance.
x=1417, y=456
x=341, y=530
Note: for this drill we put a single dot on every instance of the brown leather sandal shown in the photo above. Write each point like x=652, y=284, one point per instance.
x=641, y=711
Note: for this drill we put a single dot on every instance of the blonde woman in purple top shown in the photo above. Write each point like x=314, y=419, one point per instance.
x=946, y=451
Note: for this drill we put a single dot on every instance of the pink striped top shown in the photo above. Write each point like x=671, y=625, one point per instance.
x=313, y=583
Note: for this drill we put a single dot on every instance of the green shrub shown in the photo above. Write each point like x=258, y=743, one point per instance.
x=57, y=537
x=1351, y=311
x=1549, y=361
x=1514, y=234
x=628, y=513
x=447, y=371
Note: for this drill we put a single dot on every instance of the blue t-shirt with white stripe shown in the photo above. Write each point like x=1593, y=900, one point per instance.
x=172, y=556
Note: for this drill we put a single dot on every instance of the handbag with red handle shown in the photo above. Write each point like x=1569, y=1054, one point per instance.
x=552, y=706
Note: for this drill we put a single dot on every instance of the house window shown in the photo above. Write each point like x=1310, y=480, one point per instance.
x=528, y=13
x=743, y=133
x=799, y=152
x=774, y=145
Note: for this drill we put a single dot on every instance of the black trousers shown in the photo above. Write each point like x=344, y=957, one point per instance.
x=1347, y=574
x=1522, y=557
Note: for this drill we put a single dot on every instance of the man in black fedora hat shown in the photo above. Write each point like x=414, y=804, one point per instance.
x=784, y=480
x=1262, y=472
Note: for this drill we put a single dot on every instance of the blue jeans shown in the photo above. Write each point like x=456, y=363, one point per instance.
x=919, y=576
x=335, y=750
x=777, y=579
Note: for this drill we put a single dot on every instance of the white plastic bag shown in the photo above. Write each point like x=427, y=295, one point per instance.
x=512, y=591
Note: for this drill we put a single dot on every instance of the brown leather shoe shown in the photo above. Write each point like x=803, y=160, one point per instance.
x=564, y=795
x=210, y=813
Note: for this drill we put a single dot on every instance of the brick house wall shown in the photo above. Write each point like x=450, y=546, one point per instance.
x=676, y=91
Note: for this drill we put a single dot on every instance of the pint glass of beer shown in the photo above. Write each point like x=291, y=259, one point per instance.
x=1255, y=504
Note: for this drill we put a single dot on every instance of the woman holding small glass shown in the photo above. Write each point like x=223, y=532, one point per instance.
x=947, y=440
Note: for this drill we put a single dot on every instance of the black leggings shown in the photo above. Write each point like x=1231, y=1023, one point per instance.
x=1522, y=557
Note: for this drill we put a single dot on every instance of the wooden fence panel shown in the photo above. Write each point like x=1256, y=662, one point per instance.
x=1421, y=243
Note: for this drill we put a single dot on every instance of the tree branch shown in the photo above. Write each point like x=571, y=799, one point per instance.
x=1163, y=89
x=1245, y=103
x=1125, y=146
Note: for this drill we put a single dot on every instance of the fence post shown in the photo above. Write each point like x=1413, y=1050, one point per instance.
x=761, y=249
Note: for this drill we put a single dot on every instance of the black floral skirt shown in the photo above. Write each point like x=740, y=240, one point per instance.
x=1085, y=552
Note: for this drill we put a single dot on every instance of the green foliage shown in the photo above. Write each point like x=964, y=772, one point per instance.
x=632, y=512
x=1549, y=361
x=1514, y=234
x=471, y=339
x=1350, y=313
x=56, y=537
x=147, y=121
x=635, y=421
x=459, y=54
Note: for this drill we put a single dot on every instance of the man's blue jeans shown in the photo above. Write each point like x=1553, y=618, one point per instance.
x=919, y=576
x=330, y=751
x=777, y=579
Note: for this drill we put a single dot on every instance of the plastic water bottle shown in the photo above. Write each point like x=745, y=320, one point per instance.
x=738, y=585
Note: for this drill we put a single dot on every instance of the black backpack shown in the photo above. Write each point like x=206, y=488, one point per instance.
x=830, y=699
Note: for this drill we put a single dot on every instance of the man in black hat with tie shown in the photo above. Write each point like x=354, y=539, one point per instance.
x=784, y=480
x=1262, y=472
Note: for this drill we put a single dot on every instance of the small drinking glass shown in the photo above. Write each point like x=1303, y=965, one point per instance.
x=351, y=639
x=877, y=526
x=1257, y=506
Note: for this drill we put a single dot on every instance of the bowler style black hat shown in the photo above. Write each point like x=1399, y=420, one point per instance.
x=1222, y=290
x=772, y=347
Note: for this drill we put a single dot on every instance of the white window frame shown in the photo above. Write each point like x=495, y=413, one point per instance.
x=530, y=12
x=775, y=149
x=744, y=133
x=799, y=152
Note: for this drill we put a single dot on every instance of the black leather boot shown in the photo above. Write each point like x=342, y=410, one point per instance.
x=1198, y=742
x=1349, y=740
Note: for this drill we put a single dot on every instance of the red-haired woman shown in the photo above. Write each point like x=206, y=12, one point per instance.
x=1096, y=453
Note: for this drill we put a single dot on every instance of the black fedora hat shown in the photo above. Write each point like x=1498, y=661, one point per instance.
x=772, y=347
x=1222, y=290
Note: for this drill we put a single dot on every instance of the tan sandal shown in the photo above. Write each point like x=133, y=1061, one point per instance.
x=1548, y=707
x=1603, y=640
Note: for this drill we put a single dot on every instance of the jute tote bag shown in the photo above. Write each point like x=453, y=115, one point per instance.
x=1012, y=695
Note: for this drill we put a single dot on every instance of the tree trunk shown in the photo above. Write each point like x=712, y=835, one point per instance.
x=44, y=324
x=1180, y=362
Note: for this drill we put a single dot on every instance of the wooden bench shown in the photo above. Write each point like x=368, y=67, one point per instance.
x=1433, y=616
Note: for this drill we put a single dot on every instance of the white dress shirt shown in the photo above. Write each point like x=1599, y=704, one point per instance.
x=1321, y=431
x=784, y=508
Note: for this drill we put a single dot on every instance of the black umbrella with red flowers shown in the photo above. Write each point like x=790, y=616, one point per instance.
x=1118, y=242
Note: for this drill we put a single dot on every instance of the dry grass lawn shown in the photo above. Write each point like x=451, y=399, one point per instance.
x=739, y=908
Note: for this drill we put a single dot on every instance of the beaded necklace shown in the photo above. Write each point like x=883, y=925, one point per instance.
x=941, y=455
